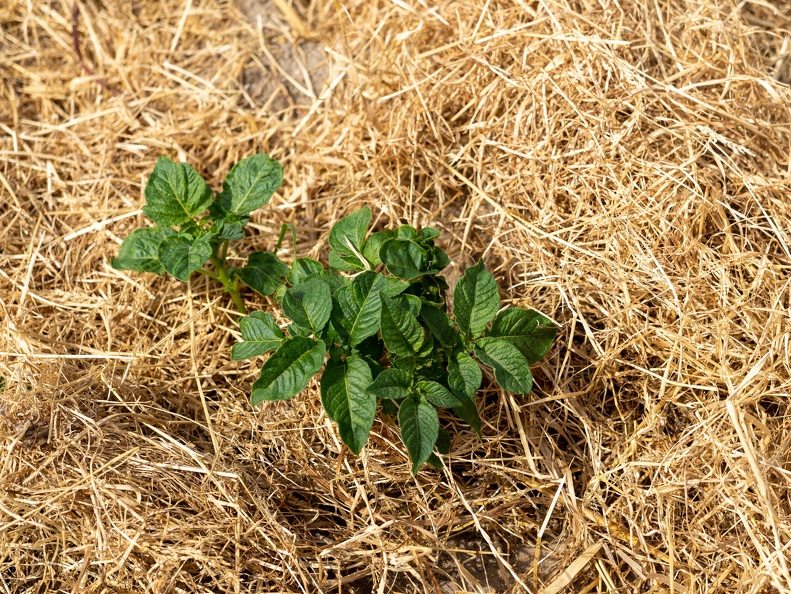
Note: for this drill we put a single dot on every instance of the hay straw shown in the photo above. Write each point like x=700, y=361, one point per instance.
x=622, y=166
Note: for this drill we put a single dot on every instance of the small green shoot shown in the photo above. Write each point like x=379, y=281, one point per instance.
x=193, y=227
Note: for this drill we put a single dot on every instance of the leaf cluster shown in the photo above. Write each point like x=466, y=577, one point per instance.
x=193, y=226
x=380, y=320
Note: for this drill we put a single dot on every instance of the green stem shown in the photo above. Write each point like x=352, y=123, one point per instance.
x=209, y=274
x=283, y=230
x=230, y=285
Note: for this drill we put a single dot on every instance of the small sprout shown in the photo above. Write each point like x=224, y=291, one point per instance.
x=194, y=227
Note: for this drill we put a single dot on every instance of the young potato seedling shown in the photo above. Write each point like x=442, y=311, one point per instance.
x=193, y=226
x=389, y=340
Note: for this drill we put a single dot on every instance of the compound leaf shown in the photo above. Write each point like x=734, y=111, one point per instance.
x=309, y=304
x=437, y=394
x=475, y=300
x=402, y=334
x=528, y=330
x=510, y=366
x=419, y=429
x=346, y=241
x=140, y=250
x=260, y=334
x=175, y=193
x=181, y=255
x=287, y=372
x=263, y=272
x=347, y=401
x=393, y=384
x=250, y=184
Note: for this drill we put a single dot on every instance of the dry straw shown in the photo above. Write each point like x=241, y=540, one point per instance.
x=621, y=165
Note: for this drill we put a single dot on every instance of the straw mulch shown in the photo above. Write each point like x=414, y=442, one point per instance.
x=623, y=166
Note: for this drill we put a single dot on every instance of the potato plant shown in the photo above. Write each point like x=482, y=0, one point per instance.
x=193, y=226
x=378, y=325
x=376, y=322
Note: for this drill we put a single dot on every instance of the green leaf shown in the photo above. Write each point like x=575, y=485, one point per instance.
x=419, y=429
x=360, y=306
x=395, y=384
x=401, y=332
x=181, y=255
x=140, y=250
x=428, y=350
x=302, y=269
x=528, y=330
x=439, y=324
x=334, y=281
x=442, y=446
x=410, y=303
x=468, y=412
x=175, y=193
x=475, y=300
x=297, y=330
x=443, y=442
x=260, y=334
x=250, y=184
x=347, y=401
x=393, y=286
x=372, y=246
x=287, y=372
x=406, y=232
x=464, y=375
x=226, y=224
x=330, y=334
x=404, y=258
x=428, y=233
x=371, y=348
x=346, y=241
x=263, y=272
x=510, y=366
x=437, y=394
x=231, y=231
x=408, y=364
x=309, y=304
x=435, y=461
x=439, y=259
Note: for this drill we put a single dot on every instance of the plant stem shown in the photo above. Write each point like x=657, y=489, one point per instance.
x=209, y=274
x=230, y=285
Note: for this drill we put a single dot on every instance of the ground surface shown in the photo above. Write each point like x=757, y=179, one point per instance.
x=622, y=166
